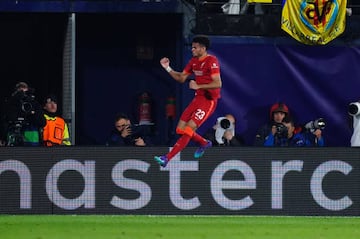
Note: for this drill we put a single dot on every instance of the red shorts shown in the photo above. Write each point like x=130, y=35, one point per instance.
x=199, y=110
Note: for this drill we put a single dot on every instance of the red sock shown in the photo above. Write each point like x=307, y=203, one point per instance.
x=199, y=139
x=179, y=145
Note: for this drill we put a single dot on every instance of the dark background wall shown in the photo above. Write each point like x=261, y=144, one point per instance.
x=117, y=59
x=31, y=46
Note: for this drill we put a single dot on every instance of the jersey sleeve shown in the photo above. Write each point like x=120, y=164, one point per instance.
x=214, y=66
x=188, y=68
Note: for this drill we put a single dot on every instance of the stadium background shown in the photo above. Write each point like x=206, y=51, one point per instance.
x=110, y=75
x=118, y=45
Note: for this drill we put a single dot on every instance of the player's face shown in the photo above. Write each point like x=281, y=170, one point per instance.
x=197, y=49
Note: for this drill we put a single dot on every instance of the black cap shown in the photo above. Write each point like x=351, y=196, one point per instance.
x=50, y=98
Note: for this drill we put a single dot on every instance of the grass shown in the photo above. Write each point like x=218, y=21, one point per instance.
x=184, y=227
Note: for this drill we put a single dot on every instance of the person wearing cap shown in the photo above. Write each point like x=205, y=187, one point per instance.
x=55, y=131
x=23, y=118
x=278, y=112
x=223, y=132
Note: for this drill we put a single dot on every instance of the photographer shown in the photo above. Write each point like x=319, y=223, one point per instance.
x=23, y=118
x=288, y=135
x=313, y=133
x=223, y=132
x=126, y=134
x=278, y=111
x=354, y=112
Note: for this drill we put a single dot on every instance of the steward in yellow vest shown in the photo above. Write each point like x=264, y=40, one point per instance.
x=55, y=131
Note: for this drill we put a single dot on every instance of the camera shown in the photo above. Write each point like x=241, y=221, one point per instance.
x=225, y=123
x=15, y=134
x=20, y=107
x=136, y=132
x=27, y=102
x=354, y=108
x=315, y=124
x=281, y=130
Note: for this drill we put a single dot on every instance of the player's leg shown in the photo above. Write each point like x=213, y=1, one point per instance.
x=182, y=142
x=205, y=109
x=193, y=116
x=185, y=133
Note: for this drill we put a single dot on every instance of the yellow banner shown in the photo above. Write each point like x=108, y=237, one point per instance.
x=259, y=1
x=314, y=22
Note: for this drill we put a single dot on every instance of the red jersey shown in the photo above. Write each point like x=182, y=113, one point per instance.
x=203, y=69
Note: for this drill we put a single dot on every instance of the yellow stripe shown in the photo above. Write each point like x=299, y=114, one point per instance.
x=259, y=1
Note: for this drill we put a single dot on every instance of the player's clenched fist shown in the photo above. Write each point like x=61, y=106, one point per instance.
x=165, y=62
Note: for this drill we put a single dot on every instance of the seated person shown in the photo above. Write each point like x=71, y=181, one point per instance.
x=223, y=132
x=126, y=134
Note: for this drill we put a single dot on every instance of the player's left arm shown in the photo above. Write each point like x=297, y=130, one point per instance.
x=214, y=84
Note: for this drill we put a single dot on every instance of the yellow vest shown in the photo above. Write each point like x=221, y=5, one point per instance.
x=55, y=131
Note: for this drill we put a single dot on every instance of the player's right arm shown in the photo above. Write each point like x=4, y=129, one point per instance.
x=178, y=76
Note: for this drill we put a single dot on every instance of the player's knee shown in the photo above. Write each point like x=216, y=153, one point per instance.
x=189, y=131
x=179, y=131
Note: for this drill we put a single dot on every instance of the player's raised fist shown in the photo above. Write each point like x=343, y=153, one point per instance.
x=165, y=62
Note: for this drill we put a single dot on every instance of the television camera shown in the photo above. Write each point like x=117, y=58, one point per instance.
x=313, y=125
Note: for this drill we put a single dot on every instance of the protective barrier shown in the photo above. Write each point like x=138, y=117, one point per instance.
x=226, y=181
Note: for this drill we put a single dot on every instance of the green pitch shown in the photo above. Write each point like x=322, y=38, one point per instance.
x=184, y=227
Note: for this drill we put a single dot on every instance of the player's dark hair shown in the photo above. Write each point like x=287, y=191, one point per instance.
x=202, y=40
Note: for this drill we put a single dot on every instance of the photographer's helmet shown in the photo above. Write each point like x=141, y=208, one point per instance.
x=278, y=107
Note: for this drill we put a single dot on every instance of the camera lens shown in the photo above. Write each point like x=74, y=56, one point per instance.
x=320, y=123
x=281, y=130
x=26, y=107
x=225, y=123
x=353, y=109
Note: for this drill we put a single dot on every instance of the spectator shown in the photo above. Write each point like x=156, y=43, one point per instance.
x=278, y=111
x=23, y=118
x=223, y=132
x=56, y=131
x=126, y=134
